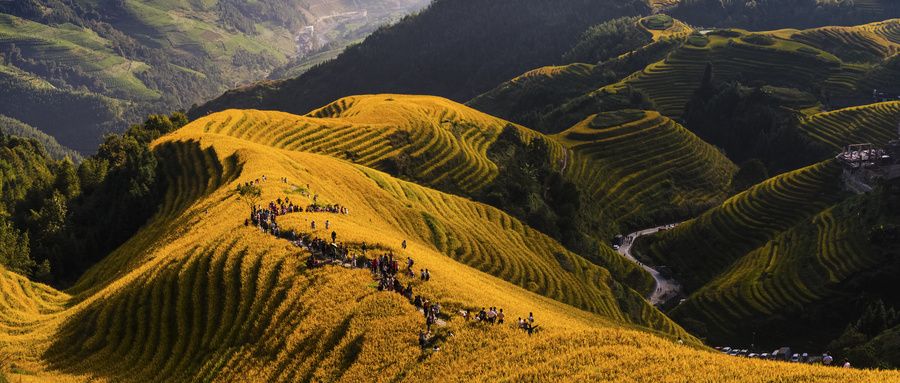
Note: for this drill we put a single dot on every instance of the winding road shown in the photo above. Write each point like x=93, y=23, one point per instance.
x=666, y=288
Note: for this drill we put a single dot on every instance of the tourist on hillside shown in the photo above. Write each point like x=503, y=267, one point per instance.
x=312, y=225
x=409, y=263
x=827, y=359
x=500, y=317
x=327, y=224
x=423, y=341
x=846, y=363
x=333, y=235
x=427, y=275
x=403, y=245
x=530, y=318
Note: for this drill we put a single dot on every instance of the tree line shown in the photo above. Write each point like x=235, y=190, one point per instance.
x=58, y=218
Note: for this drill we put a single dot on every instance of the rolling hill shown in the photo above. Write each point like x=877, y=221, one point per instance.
x=198, y=295
x=640, y=167
x=448, y=146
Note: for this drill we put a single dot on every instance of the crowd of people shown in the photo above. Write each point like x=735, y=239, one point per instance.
x=385, y=269
x=265, y=218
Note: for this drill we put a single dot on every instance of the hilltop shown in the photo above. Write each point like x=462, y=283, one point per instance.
x=196, y=294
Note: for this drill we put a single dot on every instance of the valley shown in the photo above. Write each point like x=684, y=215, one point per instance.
x=398, y=190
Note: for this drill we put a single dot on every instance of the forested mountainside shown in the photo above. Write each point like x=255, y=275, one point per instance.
x=453, y=49
x=77, y=69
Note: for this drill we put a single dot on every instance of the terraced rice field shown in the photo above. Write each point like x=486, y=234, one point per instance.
x=198, y=296
x=75, y=47
x=678, y=29
x=439, y=141
x=184, y=295
x=852, y=43
x=796, y=268
x=670, y=83
x=635, y=161
x=704, y=247
x=445, y=144
x=889, y=29
x=874, y=123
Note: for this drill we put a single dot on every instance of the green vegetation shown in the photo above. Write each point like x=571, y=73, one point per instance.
x=751, y=123
x=126, y=59
x=58, y=218
x=758, y=39
x=702, y=248
x=13, y=127
x=608, y=40
x=658, y=21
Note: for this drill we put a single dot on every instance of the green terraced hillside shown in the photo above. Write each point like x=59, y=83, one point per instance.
x=806, y=273
x=641, y=167
x=699, y=250
x=875, y=123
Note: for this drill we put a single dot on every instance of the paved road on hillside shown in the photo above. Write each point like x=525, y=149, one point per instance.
x=666, y=288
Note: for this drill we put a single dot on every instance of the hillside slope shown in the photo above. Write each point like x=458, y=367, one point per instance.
x=451, y=147
x=700, y=249
x=196, y=295
x=807, y=282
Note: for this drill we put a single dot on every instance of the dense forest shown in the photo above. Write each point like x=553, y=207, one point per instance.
x=58, y=218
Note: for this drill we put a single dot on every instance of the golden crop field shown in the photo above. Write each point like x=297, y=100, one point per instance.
x=196, y=295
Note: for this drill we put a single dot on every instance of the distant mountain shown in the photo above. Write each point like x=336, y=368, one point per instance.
x=112, y=62
x=455, y=49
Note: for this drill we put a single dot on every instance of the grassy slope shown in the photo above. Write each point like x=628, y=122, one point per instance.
x=198, y=296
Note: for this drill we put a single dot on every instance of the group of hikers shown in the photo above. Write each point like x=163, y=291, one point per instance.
x=385, y=269
x=265, y=218
x=494, y=316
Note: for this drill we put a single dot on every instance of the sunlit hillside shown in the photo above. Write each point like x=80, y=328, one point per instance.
x=635, y=162
x=197, y=295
